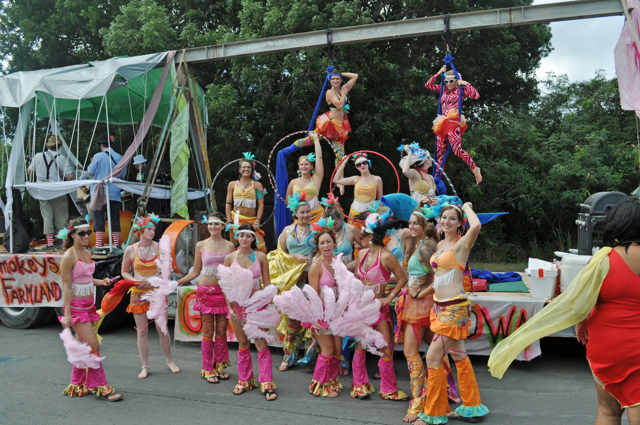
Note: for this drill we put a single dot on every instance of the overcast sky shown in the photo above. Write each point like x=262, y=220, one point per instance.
x=581, y=47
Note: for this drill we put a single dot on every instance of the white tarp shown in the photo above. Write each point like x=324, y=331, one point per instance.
x=49, y=190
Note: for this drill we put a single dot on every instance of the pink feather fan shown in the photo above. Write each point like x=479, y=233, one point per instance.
x=296, y=306
x=158, y=297
x=236, y=282
x=79, y=353
x=362, y=310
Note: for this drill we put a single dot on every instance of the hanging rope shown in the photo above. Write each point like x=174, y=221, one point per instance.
x=84, y=164
x=448, y=60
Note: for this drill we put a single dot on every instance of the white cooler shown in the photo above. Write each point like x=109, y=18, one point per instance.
x=543, y=277
x=570, y=266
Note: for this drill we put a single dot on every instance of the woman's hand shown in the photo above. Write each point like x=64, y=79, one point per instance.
x=407, y=149
x=352, y=265
x=256, y=224
x=299, y=258
x=106, y=281
x=581, y=332
x=467, y=204
x=66, y=322
x=386, y=301
x=443, y=69
x=462, y=83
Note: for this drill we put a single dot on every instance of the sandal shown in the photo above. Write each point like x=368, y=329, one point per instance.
x=456, y=417
x=239, y=389
x=377, y=376
x=284, y=366
x=223, y=376
x=209, y=379
x=268, y=394
x=110, y=396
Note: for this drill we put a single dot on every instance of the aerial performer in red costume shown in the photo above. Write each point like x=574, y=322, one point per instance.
x=448, y=126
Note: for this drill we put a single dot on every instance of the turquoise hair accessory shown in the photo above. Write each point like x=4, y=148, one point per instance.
x=62, y=234
x=296, y=200
x=86, y=217
x=204, y=219
x=249, y=156
x=311, y=157
x=230, y=226
x=375, y=207
x=154, y=218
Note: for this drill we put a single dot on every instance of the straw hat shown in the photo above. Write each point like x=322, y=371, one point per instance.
x=53, y=141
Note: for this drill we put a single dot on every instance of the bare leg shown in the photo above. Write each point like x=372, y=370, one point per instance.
x=609, y=410
x=142, y=324
x=633, y=414
x=165, y=343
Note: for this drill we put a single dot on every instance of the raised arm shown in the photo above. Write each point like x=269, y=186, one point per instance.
x=470, y=237
x=431, y=84
x=409, y=172
x=319, y=173
x=352, y=80
x=339, y=177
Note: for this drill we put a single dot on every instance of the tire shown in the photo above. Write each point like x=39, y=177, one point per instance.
x=24, y=318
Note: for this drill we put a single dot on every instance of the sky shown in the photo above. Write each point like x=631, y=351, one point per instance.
x=581, y=47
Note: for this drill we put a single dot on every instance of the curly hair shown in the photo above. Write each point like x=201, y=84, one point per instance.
x=324, y=231
x=68, y=242
x=428, y=225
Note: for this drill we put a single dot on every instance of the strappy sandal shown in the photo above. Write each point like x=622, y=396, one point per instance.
x=268, y=394
x=224, y=377
x=217, y=380
x=284, y=366
x=456, y=417
x=239, y=389
x=110, y=396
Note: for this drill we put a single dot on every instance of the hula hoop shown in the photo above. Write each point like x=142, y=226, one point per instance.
x=243, y=159
x=273, y=150
x=357, y=152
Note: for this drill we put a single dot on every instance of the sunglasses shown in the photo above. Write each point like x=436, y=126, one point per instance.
x=449, y=81
x=84, y=233
x=361, y=164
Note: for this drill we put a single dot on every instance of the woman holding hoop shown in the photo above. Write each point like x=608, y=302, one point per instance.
x=311, y=171
x=450, y=319
x=142, y=257
x=368, y=188
x=375, y=265
x=245, y=198
x=325, y=377
x=247, y=257
x=415, y=166
x=297, y=241
x=78, y=286
x=448, y=126
x=210, y=301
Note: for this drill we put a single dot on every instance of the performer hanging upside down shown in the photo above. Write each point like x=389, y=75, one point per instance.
x=311, y=171
x=447, y=126
x=297, y=241
x=368, y=188
x=210, y=301
x=78, y=291
x=375, y=265
x=413, y=309
x=142, y=257
x=247, y=257
x=450, y=320
x=325, y=377
x=245, y=197
x=347, y=235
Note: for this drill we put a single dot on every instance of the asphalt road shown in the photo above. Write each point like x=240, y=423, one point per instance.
x=555, y=388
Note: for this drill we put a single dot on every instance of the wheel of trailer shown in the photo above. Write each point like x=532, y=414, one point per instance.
x=25, y=317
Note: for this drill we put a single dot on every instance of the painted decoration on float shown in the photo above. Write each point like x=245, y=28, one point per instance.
x=30, y=281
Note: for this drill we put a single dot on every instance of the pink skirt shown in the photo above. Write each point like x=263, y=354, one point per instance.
x=210, y=300
x=385, y=314
x=82, y=310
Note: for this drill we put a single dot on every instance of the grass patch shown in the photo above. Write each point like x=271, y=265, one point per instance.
x=499, y=267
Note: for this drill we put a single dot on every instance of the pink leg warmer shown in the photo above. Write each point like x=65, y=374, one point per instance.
x=359, y=366
x=334, y=367
x=265, y=372
x=78, y=376
x=388, y=383
x=207, y=354
x=220, y=351
x=245, y=365
x=96, y=378
x=321, y=372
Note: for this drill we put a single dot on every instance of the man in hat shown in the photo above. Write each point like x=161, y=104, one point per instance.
x=100, y=167
x=51, y=166
x=140, y=162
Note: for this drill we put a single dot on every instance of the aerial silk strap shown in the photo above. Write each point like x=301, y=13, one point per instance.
x=282, y=214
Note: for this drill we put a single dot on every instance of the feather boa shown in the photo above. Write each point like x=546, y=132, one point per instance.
x=237, y=284
x=158, y=297
x=79, y=353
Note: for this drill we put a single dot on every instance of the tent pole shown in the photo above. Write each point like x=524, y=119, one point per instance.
x=109, y=217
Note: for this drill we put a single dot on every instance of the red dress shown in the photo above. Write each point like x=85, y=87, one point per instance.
x=613, y=329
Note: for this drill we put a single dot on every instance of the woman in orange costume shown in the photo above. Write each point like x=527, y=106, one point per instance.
x=368, y=188
x=450, y=321
x=311, y=171
x=78, y=286
x=141, y=256
x=210, y=301
x=603, y=300
x=245, y=198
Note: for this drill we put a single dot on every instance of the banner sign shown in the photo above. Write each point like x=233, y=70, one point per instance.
x=30, y=280
x=188, y=326
x=493, y=318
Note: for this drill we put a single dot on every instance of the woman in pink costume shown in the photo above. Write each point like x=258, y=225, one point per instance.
x=448, y=127
x=210, y=301
x=248, y=258
x=375, y=265
x=325, y=377
x=78, y=291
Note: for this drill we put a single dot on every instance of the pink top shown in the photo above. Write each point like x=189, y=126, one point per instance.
x=213, y=259
x=256, y=269
x=376, y=274
x=326, y=279
x=83, y=272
